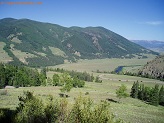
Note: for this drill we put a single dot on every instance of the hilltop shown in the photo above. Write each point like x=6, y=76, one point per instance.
x=33, y=43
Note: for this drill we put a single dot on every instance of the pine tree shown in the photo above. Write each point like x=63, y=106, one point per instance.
x=147, y=94
x=141, y=92
x=43, y=71
x=161, y=96
x=134, y=90
x=154, y=99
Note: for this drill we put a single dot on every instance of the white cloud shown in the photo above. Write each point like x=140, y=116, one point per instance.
x=154, y=23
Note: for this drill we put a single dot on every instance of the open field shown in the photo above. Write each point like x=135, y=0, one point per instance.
x=4, y=57
x=130, y=110
x=21, y=55
x=104, y=64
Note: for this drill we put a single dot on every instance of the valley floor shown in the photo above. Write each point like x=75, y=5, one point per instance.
x=130, y=110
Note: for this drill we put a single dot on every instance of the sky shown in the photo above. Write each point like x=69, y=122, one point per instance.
x=132, y=19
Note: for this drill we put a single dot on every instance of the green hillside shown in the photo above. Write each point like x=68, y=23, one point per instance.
x=37, y=44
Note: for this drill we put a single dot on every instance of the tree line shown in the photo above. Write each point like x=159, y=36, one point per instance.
x=153, y=96
x=20, y=76
x=139, y=74
x=74, y=74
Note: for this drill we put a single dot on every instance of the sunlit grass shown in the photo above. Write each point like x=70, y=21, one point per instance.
x=130, y=110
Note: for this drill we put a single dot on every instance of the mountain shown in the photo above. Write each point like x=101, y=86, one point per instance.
x=35, y=43
x=154, y=68
x=157, y=46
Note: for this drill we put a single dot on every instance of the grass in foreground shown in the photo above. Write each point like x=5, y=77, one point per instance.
x=130, y=110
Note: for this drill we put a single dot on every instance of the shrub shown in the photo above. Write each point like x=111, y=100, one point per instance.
x=32, y=110
x=86, y=93
x=85, y=111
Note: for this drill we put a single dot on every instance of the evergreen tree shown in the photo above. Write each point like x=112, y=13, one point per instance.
x=56, y=79
x=154, y=99
x=121, y=92
x=2, y=76
x=134, y=90
x=92, y=78
x=43, y=71
x=147, y=94
x=42, y=79
x=161, y=96
x=141, y=92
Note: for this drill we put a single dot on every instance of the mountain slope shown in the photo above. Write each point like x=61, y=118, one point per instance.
x=154, y=68
x=157, y=46
x=40, y=44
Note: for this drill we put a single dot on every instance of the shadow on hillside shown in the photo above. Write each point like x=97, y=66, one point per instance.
x=111, y=100
x=7, y=115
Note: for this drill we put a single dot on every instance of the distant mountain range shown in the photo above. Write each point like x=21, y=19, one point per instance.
x=35, y=43
x=157, y=46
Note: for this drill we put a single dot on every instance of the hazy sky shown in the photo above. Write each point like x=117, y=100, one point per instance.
x=133, y=19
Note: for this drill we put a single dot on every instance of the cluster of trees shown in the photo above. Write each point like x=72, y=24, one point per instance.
x=74, y=74
x=20, y=76
x=154, y=95
x=31, y=109
x=145, y=75
x=64, y=78
x=66, y=81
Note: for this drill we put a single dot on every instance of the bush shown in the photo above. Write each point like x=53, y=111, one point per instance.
x=86, y=93
x=32, y=110
x=85, y=111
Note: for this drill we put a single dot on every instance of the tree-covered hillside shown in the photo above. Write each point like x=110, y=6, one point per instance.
x=37, y=44
x=154, y=68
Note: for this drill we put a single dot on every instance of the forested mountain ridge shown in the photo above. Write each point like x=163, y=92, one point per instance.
x=35, y=43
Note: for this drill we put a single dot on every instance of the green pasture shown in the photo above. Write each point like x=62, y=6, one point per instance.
x=4, y=57
x=21, y=55
x=130, y=110
x=104, y=64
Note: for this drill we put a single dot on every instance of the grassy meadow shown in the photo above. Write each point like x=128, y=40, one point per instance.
x=4, y=57
x=129, y=109
x=105, y=64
